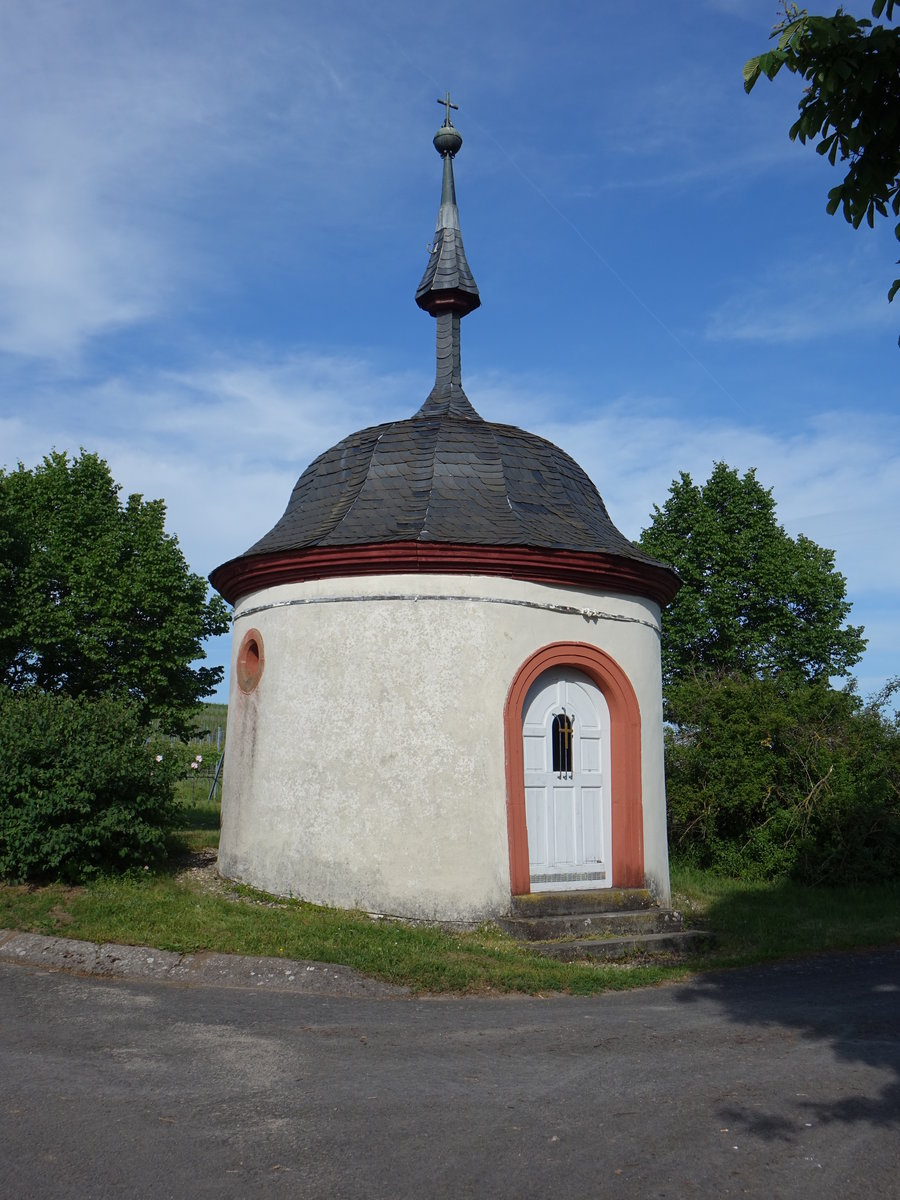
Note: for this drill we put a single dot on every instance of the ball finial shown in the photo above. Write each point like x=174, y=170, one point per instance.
x=447, y=140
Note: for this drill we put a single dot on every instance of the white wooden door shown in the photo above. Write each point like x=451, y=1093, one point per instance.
x=565, y=728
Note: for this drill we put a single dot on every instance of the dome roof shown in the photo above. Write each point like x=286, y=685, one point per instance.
x=446, y=475
x=445, y=490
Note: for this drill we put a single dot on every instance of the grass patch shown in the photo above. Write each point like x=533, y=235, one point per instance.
x=756, y=922
x=193, y=839
x=169, y=913
x=753, y=923
x=198, y=828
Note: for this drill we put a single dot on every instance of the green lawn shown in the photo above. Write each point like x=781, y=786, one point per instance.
x=752, y=923
x=199, y=826
x=164, y=912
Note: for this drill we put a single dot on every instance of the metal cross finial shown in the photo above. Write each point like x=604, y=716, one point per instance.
x=447, y=106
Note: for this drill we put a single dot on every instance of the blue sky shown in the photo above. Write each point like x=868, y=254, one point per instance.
x=214, y=217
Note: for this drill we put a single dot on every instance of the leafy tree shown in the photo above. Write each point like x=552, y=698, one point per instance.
x=754, y=601
x=96, y=599
x=852, y=103
x=775, y=777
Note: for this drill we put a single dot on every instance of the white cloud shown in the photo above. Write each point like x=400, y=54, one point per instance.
x=762, y=315
x=837, y=479
x=225, y=444
x=169, y=172
x=65, y=277
x=137, y=141
x=94, y=131
x=799, y=296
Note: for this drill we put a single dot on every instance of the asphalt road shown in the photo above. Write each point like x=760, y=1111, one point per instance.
x=777, y=1082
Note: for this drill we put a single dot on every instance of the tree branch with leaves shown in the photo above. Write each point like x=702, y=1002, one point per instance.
x=851, y=103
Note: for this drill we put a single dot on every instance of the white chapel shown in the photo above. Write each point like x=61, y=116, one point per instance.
x=445, y=685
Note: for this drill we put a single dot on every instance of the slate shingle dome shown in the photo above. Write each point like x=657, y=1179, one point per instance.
x=446, y=475
x=447, y=480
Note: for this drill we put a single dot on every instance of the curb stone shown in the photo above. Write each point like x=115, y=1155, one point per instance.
x=202, y=969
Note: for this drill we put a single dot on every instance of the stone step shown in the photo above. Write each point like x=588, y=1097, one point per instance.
x=599, y=924
x=676, y=944
x=548, y=904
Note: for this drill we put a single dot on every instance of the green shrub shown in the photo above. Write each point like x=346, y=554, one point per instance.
x=81, y=790
x=782, y=777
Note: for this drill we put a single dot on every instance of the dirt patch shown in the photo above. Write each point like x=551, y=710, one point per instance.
x=199, y=867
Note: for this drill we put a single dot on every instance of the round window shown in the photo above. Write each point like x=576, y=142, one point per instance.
x=251, y=660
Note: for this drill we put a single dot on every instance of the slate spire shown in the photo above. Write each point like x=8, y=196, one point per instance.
x=410, y=496
x=447, y=290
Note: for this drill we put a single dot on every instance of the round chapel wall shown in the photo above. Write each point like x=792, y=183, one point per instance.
x=368, y=768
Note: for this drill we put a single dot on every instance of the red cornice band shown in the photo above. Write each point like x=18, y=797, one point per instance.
x=567, y=568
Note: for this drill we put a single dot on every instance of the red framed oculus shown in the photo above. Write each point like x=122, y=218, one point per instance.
x=251, y=660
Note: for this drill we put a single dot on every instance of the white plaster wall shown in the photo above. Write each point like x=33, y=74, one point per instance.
x=367, y=769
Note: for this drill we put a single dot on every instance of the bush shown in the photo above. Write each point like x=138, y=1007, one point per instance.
x=81, y=791
x=782, y=777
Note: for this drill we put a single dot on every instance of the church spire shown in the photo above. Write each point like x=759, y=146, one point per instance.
x=447, y=290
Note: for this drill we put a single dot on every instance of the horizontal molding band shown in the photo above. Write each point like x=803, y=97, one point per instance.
x=567, y=568
x=588, y=614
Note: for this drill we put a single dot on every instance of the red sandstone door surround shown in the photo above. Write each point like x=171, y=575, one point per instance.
x=625, y=760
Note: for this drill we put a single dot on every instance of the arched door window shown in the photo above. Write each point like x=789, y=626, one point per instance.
x=562, y=743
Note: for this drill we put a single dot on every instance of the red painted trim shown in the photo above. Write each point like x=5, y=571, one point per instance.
x=625, y=760
x=568, y=568
x=251, y=661
x=436, y=300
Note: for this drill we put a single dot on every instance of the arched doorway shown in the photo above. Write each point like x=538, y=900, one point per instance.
x=623, y=777
x=565, y=731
